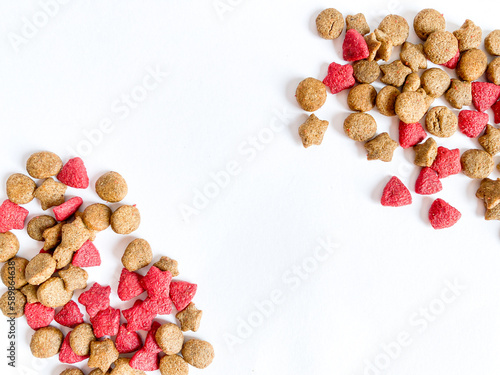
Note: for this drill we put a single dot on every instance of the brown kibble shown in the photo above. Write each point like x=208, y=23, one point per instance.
x=125, y=219
x=138, y=254
x=412, y=82
x=394, y=73
x=490, y=141
x=122, y=367
x=362, y=97
x=489, y=191
x=170, y=338
x=190, y=318
x=311, y=94
x=427, y=98
x=468, y=36
x=30, y=292
x=102, y=354
x=441, y=122
x=38, y=225
x=330, y=23
x=43, y=164
x=52, y=293
x=386, y=100
x=312, y=131
x=40, y=268
x=428, y=21
x=20, y=188
x=411, y=106
x=381, y=148
x=396, y=28
x=173, y=365
x=459, y=93
x=472, y=65
x=477, y=163
x=98, y=372
x=46, y=342
x=12, y=303
x=97, y=216
x=63, y=256
x=366, y=71
x=12, y=273
x=80, y=339
x=373, y=46
x=358, y=23
x=360, y=126
x=440, y=47
x=72, y=371
x=9, y=246
x=435, y=82
x=50, y=193
x=198, y=353
x=412, y=55
x=493, y=71
x=74, y=235
x=52, y=236
x=384, y=50
x=111, y=187
x=168, y=264
x=74, y=278
x=492, y=43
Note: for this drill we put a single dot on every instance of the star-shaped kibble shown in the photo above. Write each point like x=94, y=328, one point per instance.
x=190, y=318
x=74, y=278
x=386, y=44
x=468, y=36
x=381, y=148
x=74, y=234
x=50, y=193
x=373, y=46
x=489, y=190
x=52, y=236
x=357, y=22
x=492, y=213
x=339, y=77
x=312, y=131
x=167, y=264
x=102, y=354
x=459, y=93
x=412, y=55
x=394, y=73
x=490, y=141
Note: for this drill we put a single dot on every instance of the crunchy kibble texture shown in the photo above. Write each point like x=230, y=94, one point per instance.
x=38, y=224
x=441, y=122
x=125, y=219
x=111, y=187
x=72, y=371
x=381, y=148
x=459, y=94
x=102, y=354
x=98, y=372
x=330, y=23
x=366, y=71
x=477, y=163
x=122, y=367
x=394, y=73
x=312, y=131
x=490, y=141
x=384, y=50
x=167, y=264
x=46, y=342
x=30, y=293
x=74, y=234
x=9, y=246
x=412, y=82
x=74, y=278
x=40, y=268
x=97, y=216
x=411, y=106
x=52, y=236
x=137, y=255
x=20, y=188
x=472, y=65
x=360, y=126
x=362, y=97
x=198, y=353
x=311, y=94
x=440, y=47
x=412, y=55
x=50, y=193
x=190, y=318
x=358, y=23
x=13, y=271
x=52, y=293
x=396, y=28
x=492, y=43
x=170, y=338
x=12, y=304
x=173, y=365
x=428, y=21
x=493, y=213
x=468, y=36
x=80, y=339
x=489, y=191
x=386, y=100
x=492, y=72
x=435, y=82
x=43, y=165
x=373, y=46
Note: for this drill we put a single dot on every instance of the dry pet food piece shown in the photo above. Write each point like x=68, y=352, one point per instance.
x=145, y=361
x=63, y=256
x=106, y=322
x=484, y=95
x=68, y=208
x=12, y=303
x=384, y=50
x=129, y=285
x=386, y=100
x=126, y=219
x=411, y=134
x=452, y=64
x=311, y=94
x=72, y=371
x=381, y=148
x=74, y=278
x=366, y=71
x=428, y=182
x=396, y=28
x=40, y=268
x=20, y=188
x=38, y=225
x=95, y=299
x=127, y=341
x=395, y=194
x=469, y=36
x=43, y=164
x=394, y=73
x=489, y=191
x=74, y=235
x=30, y=292
x=312, y=131
x=190, y=318
x=198, y=353
x=67, y=355
x=412, y=55
x=122, y=367
x=46, y=342
x=490, y=141
x=50, y=193
x=362, y=98
x=12, y=216
x=373, y=46
x=354, y=47
x=38, y=315
x=496, y=112
x=447, y=162
x=80, y=339
x=138, y=316
x=443, y=215
x=459, y=93
x=150, y=343
x=74, y=174
x=358, y=23
x=87, y=256
x=472, y=65
x=181, y=293
x=492, y=214
x=9, y=246
x=493, y=71
x=492, y=43
x=13, y=273
x=98, y=372
x=70, y=315
x=330, y=23
x=137, y=255
x=360, y=126
x=411, y=106
x=428, y=21
x=441, y=122
x=167, y=264
x=111, y=187
x=472, y=123
x=52, y=236
x=339, y=77
x=435, y=82
x=53, y=294
x=173, y=365
x=102, y=354
x=440, y=47
x=170, y=338
x=97, y=216
x=477, y=163
x=412, y=82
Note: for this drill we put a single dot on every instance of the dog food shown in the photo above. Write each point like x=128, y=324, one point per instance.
x=198, y=353
x=330, y=23
x=312, y=131
x=477, y=163
x=362, y=98
x=441, y=122
x=381, y=148
x=428, y=21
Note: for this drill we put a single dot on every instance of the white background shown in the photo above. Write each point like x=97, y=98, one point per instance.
x=231, y=77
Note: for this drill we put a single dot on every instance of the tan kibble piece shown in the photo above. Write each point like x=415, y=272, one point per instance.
x=52, y=293
x=373, y=46
x=173, y=365
x=122, y=367
x=366, y=71
x=125, y=219
x=102, y=354
x=198, y=353
x=412, y=55
x=428, y=21
x=440, y=47
x=50, y=193
x=490, y=141
x=52, y=236
x=477, y=163
x=43, y=164
x=190, y=318
x=427, y=98
x=138, y=254
x=396, y=27
x=493, y=213
x=411, y=106
x=167, y=264
x=441, y=122
x=384, y=51
x=386, y=100
x=63, y=256
x=80, y=339
x=472, y=65
x=311, y=94
x=435, y=82
x=9, y=246
x=97, y=216
x=38, y=225
x=12, y=303
x=394, y=73
x=358, y=23
x=111, y=187
x=74, y=278
x=312, y=131
x=30, y=292
x=381, y=148
x=459, y=94
x=170, y=338
x=362, y=97
x=468, y=36
x=98, y=372
x=12, y=273
x=74, y=235
x=330, y=23
x=40, y=268
x=493, y=71
x=20, y=188
x=489, y=191
x=492, y=43
x=412, y=82
x=46, y=342
x=72, y=371
x=360, y=126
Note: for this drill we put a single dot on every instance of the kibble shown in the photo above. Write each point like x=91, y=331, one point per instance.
x=111, y=187
x=137, y=255
x=360, y=126
x=386, y=100
x=477, y=163
x=46, y=342
x=362, y=98
x=12, y=273
x=125, y=219
x=311, y=94
x=20, y=188
x=435, y=82
x=330, y=23
x=198, y=353
x=441, y=122
x=9, y=246
x=52, y=293
x=12, y=303
x=492, y=43
x=440, y=47
x=472, y=65
x=428, y=21
x=43, y=164
x=40, y=268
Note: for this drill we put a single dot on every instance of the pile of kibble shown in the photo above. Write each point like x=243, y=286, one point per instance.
x=409, y=95
x=42, y=288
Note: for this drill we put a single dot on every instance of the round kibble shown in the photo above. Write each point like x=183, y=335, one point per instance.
x=365, y=71
x=412, y=82
x=396, y=28
x=43, y=164
x=30, y=292
x=362, y=97
x=173, y=365
x=472, y=64
x=72, y=371
x=12, y=303
x=12, y=273
x=386, y=100
x=198, y=353
x=111, y=187
x=138, y=254
x=477, y=163
x=441, y=122
x=435, y=82
x=46, y=342
x=40, y=268
x=20, y=188
x=330, y=23
x=311, y=94
x=97, y=216
x=9, y=246
x=360, y=126
x=38, y=224
x=440, y=47
x=492, y=43
x=493, y=71
x=428, y=21
x=411, y=106
x=125, y=219
x=52, y=293
x=170, y=338
x=80, y=339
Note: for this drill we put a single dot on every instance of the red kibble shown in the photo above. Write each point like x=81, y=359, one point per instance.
x=395, y=194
